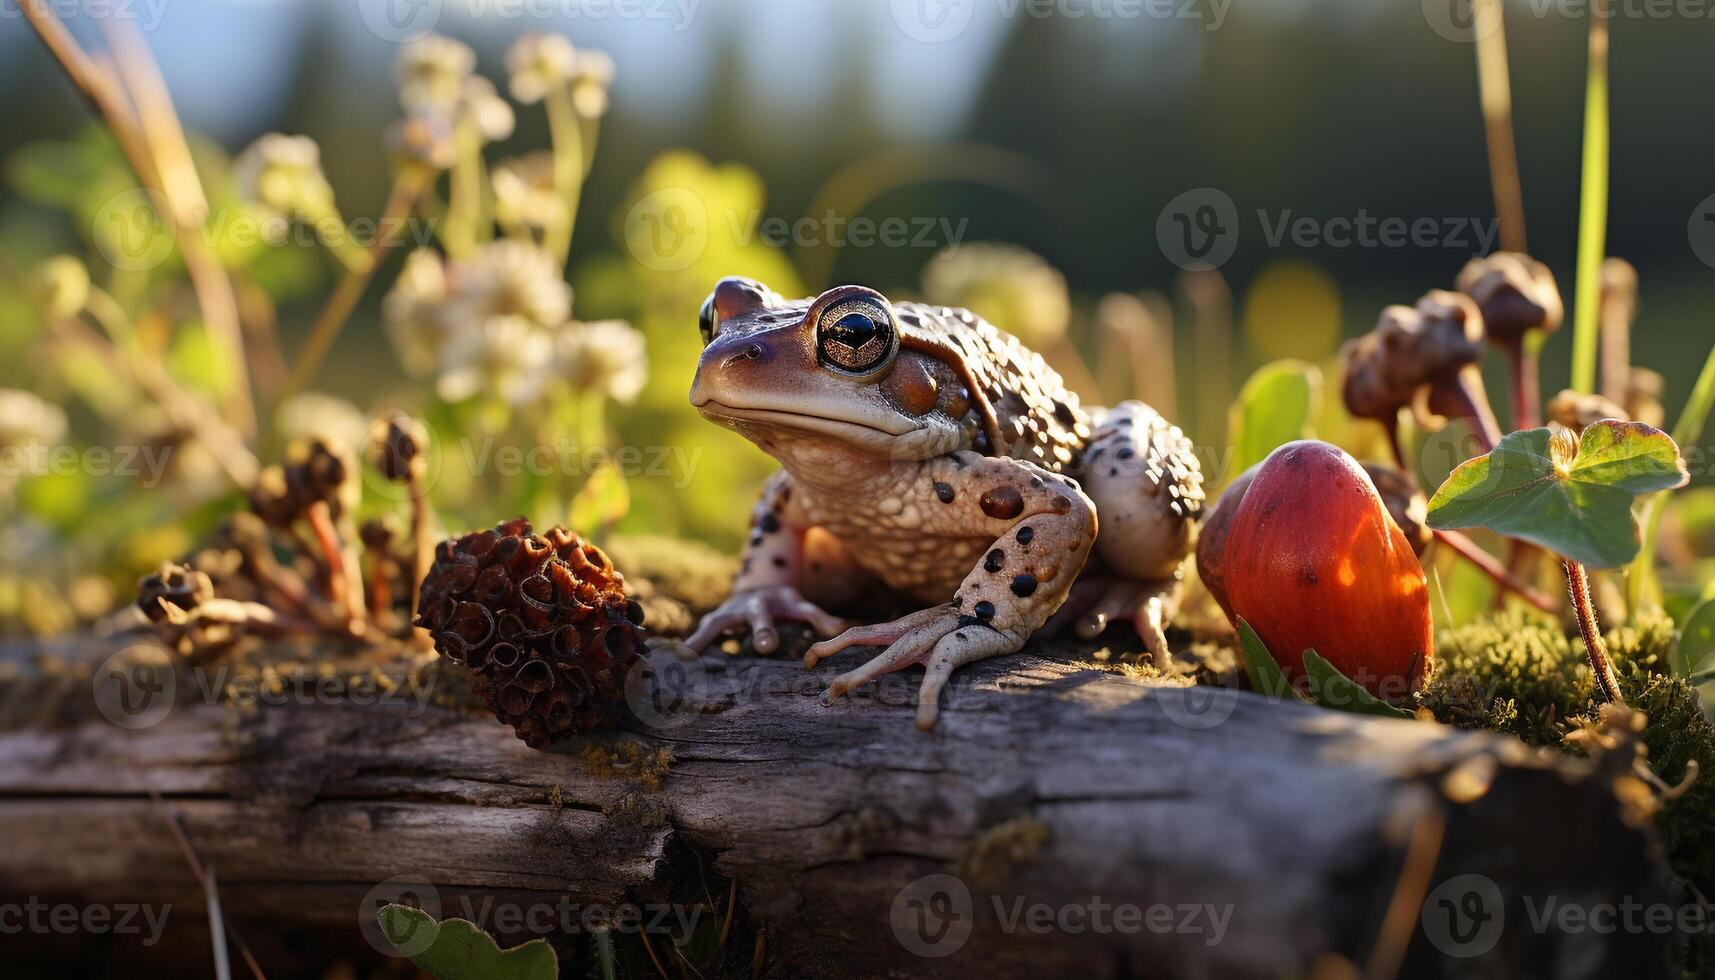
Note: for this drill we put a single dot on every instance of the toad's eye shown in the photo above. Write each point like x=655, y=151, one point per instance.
x=706, y=320
x=856, y=337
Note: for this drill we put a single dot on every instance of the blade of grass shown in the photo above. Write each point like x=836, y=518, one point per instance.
x=1495, y=88
x=1687, y=431
x=1592, y=206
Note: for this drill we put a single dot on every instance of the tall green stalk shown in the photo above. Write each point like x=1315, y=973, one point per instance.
x=1592, y=206
x=1686, y=432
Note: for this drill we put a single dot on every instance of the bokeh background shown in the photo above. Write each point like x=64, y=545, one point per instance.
x=1065, y=129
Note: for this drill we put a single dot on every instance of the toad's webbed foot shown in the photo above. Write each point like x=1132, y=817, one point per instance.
x=758, y=610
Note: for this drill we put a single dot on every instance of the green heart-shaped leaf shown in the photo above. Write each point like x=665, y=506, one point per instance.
x=1333, y=689
x=456, y=949
x=1264, y=671
x=1273, y=408
x=1572, y=496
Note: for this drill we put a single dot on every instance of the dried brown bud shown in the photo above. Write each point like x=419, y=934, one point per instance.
x=399, y=450
x=1578, y=411
x=1515, y=293
x=1410, y=347
x=271, y=498
x=176, y=585
x=542, y=620
x=1405, y=502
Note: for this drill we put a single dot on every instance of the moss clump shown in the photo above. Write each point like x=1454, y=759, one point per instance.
x=1523, y=674
x=994, y=856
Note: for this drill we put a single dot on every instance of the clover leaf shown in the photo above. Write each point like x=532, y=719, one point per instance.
x=456, y=949
x=1570, y=494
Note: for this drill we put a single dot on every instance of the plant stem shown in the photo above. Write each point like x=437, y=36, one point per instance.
x=566, y=135
x=1495, y=87
x=422, y=544
x=1463, y=396
x=1592, y=205
x=1688, y=430
x=1578, y=585
x=160, y=168
x=1491, y=566
x=1526, y=375
x=400, y=202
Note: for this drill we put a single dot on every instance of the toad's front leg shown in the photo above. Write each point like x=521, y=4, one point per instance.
x=1042, y=526
x=766, y=589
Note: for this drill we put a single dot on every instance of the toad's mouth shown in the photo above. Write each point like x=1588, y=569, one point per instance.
x=853, y=430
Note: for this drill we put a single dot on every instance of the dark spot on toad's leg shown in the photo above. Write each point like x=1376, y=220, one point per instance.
x=770, y=524
x=995, y=561
x=1023, y=585
x=1025, y=534
x=779, y=563
x=1003, y=503
x=984, y=610
x=944, y=491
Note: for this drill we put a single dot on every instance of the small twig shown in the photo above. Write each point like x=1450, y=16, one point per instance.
x=1405, y=906
x=202, y=879
x=1578, y=585
x=1525, y=373
x=422, y=539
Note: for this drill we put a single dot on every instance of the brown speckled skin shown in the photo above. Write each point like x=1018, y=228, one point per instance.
x=959, y=471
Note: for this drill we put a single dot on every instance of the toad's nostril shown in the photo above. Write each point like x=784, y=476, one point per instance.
x=749, y=352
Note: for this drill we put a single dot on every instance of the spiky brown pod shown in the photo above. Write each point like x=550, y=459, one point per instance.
x=544, y=623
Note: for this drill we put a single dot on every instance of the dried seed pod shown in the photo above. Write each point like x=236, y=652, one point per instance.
x=544, y=622
x=1577, y=411
x=399, y=450
x=176, y=585
x=1409, y=348
x=1515, y=293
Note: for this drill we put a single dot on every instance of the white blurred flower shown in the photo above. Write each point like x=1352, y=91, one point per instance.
x=26, y=419
x=538, y=64
x=432, y=71
x=503, y=356
x=482, y=108
x=592, y=76
x=508, y=278
x=412, y=315
x=314, y=414
x=284, y=173
x=524, y=194
x=605, y=356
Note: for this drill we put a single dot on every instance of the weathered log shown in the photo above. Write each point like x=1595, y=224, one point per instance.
x=1087, y=823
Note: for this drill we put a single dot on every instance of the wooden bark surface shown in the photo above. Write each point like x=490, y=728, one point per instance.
x=1047, y=782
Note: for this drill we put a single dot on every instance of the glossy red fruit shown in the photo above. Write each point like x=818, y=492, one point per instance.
x=1313, y=561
